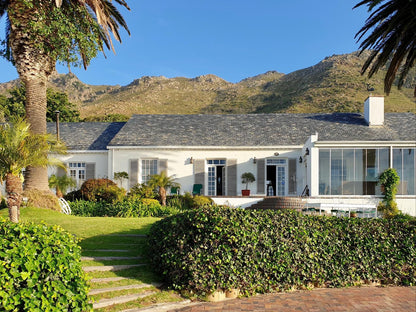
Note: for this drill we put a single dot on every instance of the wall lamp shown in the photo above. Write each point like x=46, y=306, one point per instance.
x=276, y=154
x=254, y=160
x=191, y=160
x=300, y=159
x=307, y=151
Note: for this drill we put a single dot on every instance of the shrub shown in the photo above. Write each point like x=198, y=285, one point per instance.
x=40, y=269
x=101, y=189
x=42, y=199
x=200, y=201
x=261, y=251
x=142, y=191
x=389, y=180
x=128, y=207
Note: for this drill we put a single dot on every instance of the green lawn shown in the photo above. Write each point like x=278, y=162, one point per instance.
x=85, y=227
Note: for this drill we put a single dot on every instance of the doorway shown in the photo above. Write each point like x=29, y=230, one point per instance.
x=276, y=176
x=216, y=177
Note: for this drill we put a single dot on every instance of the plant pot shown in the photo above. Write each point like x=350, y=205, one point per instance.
x=245, y=192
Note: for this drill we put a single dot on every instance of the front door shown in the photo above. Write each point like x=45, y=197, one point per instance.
x=216, y=177
x=276, y=176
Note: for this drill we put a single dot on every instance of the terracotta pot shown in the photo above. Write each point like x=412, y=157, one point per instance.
x=245, y=192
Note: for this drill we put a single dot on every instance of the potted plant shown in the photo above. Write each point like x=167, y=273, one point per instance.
x=246, y=178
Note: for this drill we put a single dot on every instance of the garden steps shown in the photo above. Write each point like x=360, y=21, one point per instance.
x=163, y=307
x=108, y=258
x=117, y=288
x=109, y=279
x=102, y=268
x=108, y=250
x=121, y=299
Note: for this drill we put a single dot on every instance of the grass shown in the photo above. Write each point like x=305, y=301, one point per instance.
x=104, y=233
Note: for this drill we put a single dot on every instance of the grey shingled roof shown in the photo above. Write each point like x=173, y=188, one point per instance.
x=260, y=129
x=86, y=135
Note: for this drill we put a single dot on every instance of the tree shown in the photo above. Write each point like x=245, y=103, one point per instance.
x=41, y=32
x=20, y=148
x=392, y=40
x=14, y=105
x=161, y=182
x=61, y=184
x=120, y=176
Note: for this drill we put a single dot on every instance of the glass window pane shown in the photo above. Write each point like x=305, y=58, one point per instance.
x=371, y=172
x=397, y=164
x=324, y=172
x=408, y=182
x=336, y=172
x=359, y=171
x=348, y=182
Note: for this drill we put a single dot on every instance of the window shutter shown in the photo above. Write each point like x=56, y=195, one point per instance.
x=90, y=171
x=133, y=172
x=163, y=166
x=199, y=171
x=232, y=177
x=292, y=176
x=260, y=176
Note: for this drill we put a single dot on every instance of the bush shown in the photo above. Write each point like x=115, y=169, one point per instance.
x=128, y=207
x=142, y=191
x=101, y=190
x=42, y=199
x=262, y=251
x=40, y=269
x=201, y=201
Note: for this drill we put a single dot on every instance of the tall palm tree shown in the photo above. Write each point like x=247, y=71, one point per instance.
x=161, y=182
x=20, y=148
x=41, y=32
x=392, y=40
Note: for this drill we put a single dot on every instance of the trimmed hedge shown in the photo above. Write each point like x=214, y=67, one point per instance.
x=128, y=207
x=40, y=269
x=262, y=251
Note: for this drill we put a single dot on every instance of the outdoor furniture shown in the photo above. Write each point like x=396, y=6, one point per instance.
x=174, y=191
x=197, y=189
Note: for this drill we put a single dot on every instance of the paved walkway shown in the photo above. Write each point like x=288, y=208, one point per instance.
x=364, y=299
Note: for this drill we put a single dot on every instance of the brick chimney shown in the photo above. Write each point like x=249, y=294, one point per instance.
x=374, y=110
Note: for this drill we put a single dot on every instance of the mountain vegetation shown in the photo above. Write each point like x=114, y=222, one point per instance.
x=333, y=85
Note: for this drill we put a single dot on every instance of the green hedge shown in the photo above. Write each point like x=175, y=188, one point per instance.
x=262, y=251
x=128, y=207
x=40, y=269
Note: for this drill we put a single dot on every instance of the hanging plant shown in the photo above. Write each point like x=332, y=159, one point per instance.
x=389, y=180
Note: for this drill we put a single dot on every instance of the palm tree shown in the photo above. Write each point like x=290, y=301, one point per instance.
x=392, y=40
x=61, y=184
x=162, y=182
x=41, y=32
x=20, y=148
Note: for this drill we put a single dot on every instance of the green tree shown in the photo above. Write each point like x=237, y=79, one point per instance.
x=389, y=179
x=120, y=176
x=14, y=105
x=20, y=148
x=41, y=32
x=392, y=40
x=61, y=184
x=161, y=182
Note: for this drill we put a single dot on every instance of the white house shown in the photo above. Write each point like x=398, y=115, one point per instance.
x=327, y=157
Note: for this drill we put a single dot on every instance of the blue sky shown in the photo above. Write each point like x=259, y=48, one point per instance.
x=233, y=39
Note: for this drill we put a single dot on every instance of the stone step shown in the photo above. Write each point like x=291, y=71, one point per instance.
x=102, y=268
x=108, y=258
x=117, y=288
x=121, y=299
x=163, y=307
x=109, y=279
x=107, y=250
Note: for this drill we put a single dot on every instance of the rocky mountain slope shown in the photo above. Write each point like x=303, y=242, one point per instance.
x=334, y=84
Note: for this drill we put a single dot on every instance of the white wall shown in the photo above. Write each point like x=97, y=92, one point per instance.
x=179, y=161
x=99, y=158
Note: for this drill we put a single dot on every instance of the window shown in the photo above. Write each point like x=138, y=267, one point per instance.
x=404, y=162
x=149, y=167
x=77, y=171
x=351, y=171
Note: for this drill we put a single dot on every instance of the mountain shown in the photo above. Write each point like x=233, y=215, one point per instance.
x=334, y=84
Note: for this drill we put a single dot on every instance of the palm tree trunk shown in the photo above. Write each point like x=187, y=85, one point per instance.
x=34, y=68
x=162, y=193
x=14, y=196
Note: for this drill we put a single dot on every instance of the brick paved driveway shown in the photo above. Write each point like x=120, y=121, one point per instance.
x=364, y=299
